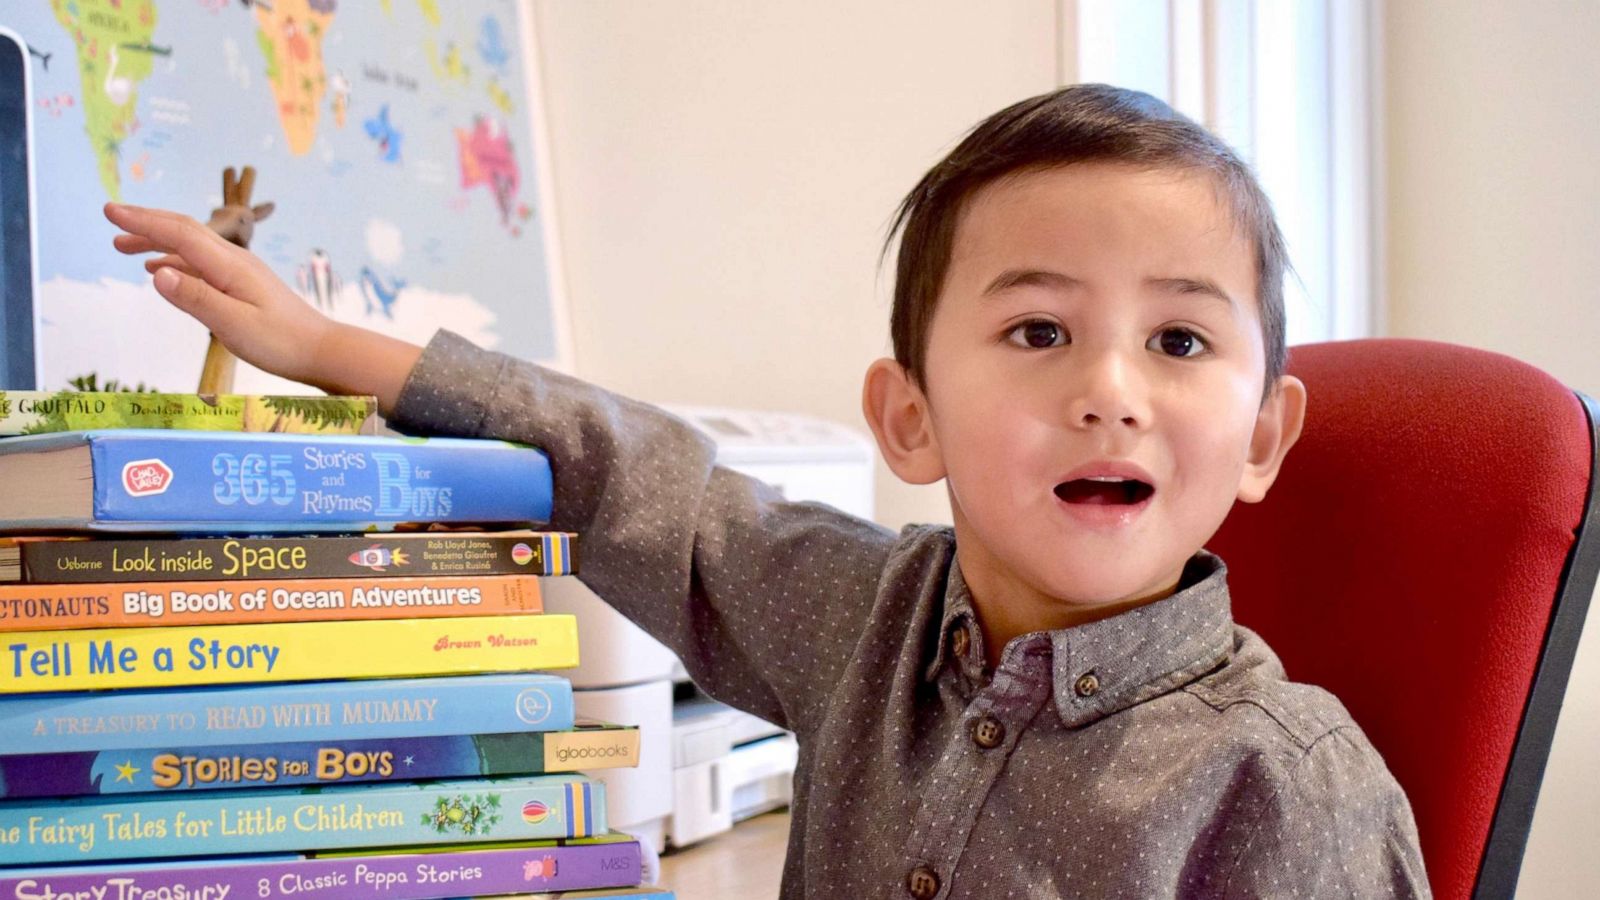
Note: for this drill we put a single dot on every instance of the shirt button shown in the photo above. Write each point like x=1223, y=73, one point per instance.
x=960, y=642
x=988, y=733
x=1088, y=685
x=922, y=883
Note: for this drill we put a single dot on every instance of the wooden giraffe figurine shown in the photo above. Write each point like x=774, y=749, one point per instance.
x=236, y=221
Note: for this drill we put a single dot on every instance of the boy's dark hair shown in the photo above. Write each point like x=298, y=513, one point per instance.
x=1081, y=123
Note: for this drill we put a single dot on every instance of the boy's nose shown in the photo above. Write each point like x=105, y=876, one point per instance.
x=1109, y=393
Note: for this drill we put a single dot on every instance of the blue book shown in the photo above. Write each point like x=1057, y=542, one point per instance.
x=303, y=711
x=166, y=770
x=279, y=820
x=217, y=482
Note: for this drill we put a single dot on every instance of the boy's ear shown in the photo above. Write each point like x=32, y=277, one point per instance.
x=897, y=411
x=1277, y=428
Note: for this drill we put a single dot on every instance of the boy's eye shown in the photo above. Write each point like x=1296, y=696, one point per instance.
x=1038, y=335
x=1177, y=342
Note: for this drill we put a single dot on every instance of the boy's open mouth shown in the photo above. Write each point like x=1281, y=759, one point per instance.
x=1121, y=491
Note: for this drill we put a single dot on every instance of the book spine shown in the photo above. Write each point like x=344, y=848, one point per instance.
x=318, y=711
x=457, y=554
x=602, y=894
x=271, y=820
x=299, y=481
x=174, y=770
x=188, y=603
x=35, y=661
x=547, y=867
x=42, y=412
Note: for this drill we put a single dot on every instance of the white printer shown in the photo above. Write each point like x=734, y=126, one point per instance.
x=704, y=766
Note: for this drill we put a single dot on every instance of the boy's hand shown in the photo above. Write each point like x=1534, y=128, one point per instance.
x=229, y=289
x=253, y=313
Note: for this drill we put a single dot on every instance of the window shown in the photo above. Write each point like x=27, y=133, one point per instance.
x=1291, y=86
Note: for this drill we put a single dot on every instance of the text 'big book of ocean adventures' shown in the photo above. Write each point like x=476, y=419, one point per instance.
x=135, y=604
x=216, y=482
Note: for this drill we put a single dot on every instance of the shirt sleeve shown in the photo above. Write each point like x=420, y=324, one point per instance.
x=760, y=597
x=1339, y=827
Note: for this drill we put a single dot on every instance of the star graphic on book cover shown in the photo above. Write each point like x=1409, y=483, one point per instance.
x=410, y=760
x=126, y=771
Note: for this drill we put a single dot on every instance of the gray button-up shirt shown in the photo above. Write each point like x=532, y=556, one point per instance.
x=1156, y=753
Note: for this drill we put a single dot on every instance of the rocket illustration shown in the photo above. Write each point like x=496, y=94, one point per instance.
x=378, y=557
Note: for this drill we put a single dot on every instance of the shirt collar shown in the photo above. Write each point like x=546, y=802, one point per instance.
x=1132, y=656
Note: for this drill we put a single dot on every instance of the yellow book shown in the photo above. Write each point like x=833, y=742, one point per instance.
x=303, y=651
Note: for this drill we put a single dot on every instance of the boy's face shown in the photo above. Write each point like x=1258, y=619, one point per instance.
x=1096, y=320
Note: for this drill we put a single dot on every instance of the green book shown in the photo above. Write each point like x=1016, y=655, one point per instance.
x=42, y=412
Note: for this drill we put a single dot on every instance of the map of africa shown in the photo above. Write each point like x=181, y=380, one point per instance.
x=394, y=138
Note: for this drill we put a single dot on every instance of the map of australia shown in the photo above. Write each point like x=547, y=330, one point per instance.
x=112, y=43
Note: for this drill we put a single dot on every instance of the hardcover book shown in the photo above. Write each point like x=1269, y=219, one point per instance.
x=600, y=894
x=589, y=745
x=44, y=412
x=37, y=661
x=278, y=820
x=79, y=560
x=490, y=868
x=313, y=711
x=610, y=859
x=36, y=607
x=219, y=482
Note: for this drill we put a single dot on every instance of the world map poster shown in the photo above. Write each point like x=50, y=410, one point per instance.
x=395, y=139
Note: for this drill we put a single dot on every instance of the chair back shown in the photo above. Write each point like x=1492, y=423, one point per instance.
x=1427, y=556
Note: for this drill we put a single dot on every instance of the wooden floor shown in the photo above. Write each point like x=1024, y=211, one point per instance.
x=745, y=863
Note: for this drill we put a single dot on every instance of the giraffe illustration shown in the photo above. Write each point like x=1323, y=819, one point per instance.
x=235, y=220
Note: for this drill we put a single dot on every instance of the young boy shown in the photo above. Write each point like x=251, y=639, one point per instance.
x=1051, y=698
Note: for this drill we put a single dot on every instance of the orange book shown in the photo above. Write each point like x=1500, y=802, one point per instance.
x=48, y=607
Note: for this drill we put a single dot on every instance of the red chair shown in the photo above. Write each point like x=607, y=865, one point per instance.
x=1428, y=555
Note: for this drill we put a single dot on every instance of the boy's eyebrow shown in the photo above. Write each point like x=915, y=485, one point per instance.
x=1202, y=286
x=1011, y=278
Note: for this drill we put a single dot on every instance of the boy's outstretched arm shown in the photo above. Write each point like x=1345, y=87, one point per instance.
x=765, y=600
x=255, y=315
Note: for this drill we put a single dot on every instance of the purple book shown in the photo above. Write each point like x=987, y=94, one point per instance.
x=423, y=874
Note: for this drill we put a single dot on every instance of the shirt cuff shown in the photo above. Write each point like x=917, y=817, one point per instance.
x=448, y=391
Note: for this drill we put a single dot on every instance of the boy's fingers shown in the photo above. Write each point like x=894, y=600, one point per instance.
x=171, y=260
x=134, y=244
x=127, y=212
x=137, y=219
x=197, y=298
x=214, y=258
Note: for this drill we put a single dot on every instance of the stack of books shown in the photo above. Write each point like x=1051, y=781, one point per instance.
x=257, y=690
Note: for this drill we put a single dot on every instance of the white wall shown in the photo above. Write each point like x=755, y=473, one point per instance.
x=1494, y=187
x=725, y=174
x=1494, y=241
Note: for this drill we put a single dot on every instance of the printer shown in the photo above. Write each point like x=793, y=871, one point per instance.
x=702, y=765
